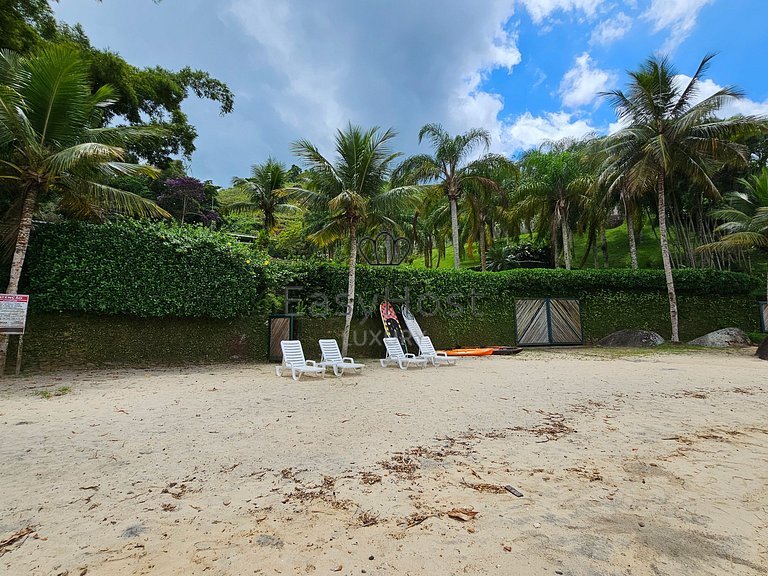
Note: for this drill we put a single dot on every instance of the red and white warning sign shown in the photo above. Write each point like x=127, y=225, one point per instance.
x=13, y=313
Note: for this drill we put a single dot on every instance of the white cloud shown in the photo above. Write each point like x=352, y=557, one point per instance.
x=529, y=131
x=679, y=16
x=608, y=31
x=708, y=87
x=402, y=64
x=541, y=9
x=581, y=83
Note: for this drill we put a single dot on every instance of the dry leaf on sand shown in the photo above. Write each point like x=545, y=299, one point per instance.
x=463, y=514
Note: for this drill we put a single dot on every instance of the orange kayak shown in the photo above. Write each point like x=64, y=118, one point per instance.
x=470, y=352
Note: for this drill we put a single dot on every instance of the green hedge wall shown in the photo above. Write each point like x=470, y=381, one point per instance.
x=142, y=269
x=136, y=293
x=76, y=340
x=464, y=308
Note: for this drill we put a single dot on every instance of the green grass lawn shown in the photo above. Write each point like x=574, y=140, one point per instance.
x=648, y=252
x=446, y=263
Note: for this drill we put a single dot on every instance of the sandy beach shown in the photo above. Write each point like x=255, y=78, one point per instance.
x=627, y=464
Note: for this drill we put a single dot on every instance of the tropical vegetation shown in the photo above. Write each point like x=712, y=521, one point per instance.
x=84, y=135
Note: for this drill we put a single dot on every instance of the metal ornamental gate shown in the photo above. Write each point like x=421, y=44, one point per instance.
x=548, y=321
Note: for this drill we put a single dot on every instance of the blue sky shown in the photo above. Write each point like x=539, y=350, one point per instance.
x=526, y=70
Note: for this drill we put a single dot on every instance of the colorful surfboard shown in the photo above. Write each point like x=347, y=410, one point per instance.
x=392, y=324
x=485, y=351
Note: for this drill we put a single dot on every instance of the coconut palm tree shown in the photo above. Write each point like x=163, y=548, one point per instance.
x=49, y=149
x=449, y=168
x=744, y=219
x=265, y=192
x=745, y=216
x=667, y=132
x=352, y=188
x=552, y=184
x=486, y=202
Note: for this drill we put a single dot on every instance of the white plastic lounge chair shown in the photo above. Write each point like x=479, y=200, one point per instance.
x=331, y=358
x=395, y=355
x=427, y=350
x=293, y=360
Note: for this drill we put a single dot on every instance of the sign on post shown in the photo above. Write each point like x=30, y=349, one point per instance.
x=13, y=313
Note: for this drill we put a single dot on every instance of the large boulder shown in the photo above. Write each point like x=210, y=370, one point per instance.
x=762, y=350
x=724, y=338
x=631, y=339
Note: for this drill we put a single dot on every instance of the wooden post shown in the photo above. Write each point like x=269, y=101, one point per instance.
x=18, y=354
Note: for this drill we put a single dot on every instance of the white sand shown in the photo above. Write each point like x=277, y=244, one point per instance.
x=638, y=465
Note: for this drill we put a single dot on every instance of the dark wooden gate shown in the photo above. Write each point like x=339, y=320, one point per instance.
x=547, y=322
x=280, y=328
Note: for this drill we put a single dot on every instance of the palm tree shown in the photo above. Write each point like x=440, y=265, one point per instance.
x=486, y=202
x=745, y=217
x=265, y=192
x=666, y=133
x=48, y=148
x=551, y=188
x=448, y=166
x=352, y=188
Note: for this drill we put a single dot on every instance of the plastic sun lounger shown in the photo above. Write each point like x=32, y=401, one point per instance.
x=395, y=355
x=293, y=360
x=332, y=358
x=427, y=350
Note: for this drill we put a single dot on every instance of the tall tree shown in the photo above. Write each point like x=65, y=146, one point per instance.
x=265, y=192
x=144, y=96
x=552, y=184
x=667, y=132
x=744, y=216
x=449, y=168
x=351, y=187
x=49, y=148
x=486, y=199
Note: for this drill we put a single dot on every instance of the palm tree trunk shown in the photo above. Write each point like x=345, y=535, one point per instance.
x=662, y=207
x=631, y=236
x=555, y=245
x=350, y=288
x=566, y=243
x=455, y=231
x=595, y=261
x=19, y=253
x=482, y=246
x=604, y=247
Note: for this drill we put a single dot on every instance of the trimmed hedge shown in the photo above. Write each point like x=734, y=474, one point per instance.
x=464, y=308
x=76, y=340
x=137, y=293
x=323, y=282
x=142, y=269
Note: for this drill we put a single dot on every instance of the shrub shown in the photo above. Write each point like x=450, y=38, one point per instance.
x=142, y=269
x=523, y=255
x=323, y=281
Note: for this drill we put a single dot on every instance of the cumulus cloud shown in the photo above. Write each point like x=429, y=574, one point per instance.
x=581, y=84
x=677, y=16
x=707, y=87
x=541, y=9
x=743, y=106
x=397, y=64
x=611, y=30
x=529, y=131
